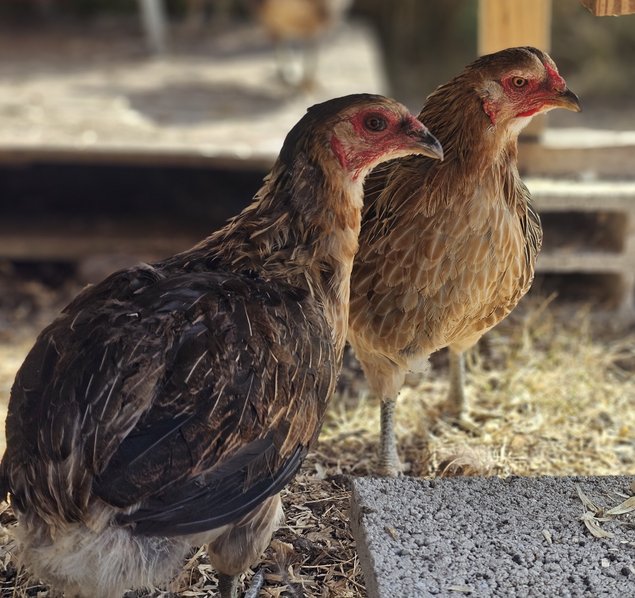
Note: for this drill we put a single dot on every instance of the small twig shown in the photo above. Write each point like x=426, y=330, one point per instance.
x=586, y=501
x=327, y=499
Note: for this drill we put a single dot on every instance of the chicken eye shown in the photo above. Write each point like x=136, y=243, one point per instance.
x=375, y=123
x=519, y=82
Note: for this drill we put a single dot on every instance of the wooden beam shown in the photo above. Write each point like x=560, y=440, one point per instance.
x=610, y=8
x=57, y=239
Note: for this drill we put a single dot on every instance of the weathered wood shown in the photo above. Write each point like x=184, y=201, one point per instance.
x=609, y=8
x=131, y=154
x=214, y=102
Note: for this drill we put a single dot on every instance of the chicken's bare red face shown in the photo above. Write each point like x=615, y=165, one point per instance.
x=371, y=135
x=527, y=89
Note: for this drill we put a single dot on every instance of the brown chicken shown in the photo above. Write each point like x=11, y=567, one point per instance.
x=303, y=22
x=447, y=249
x=168, y=405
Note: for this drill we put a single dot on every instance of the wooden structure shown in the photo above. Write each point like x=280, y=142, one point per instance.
x=589, y=236
x=502, y=24
x=610, y=8
x=216, y=104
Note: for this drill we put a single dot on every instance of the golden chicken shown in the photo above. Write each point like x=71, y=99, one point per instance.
x=168, y=405
x=447, y=249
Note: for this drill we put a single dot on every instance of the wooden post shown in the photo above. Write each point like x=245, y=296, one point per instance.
x=504, y=23
x=613, y=8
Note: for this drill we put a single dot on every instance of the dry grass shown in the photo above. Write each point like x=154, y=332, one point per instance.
x=552, y=392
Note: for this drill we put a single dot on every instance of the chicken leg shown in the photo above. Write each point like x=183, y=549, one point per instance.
x=455, y=405
x=228, y=585
x=257, y=581
x=389, y=464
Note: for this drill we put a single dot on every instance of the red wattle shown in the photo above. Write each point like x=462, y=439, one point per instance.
x=338, y=150
x=529, y=112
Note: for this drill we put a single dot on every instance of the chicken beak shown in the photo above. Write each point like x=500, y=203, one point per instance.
x=426, y=141
x=567, y=100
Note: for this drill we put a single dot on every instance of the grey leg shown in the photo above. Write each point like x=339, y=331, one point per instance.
x=228, y=585
x=389, y=464
x=257, y=581
x=456, y=402
x=456, y=406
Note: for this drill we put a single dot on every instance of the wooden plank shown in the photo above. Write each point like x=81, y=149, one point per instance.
x=572, y=151
x=131, y=154
x=609, y=8
x=503, y=24
x=602, y=262
x=571, y=195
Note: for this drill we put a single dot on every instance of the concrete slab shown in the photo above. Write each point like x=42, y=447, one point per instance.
x=492, y=537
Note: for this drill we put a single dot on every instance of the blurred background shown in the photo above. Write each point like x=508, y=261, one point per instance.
x=99, y=81
x=108, y=100
x=422, y=43
x=129, y=129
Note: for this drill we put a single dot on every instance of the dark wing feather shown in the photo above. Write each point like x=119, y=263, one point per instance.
x=193, y=397
x=213, y=500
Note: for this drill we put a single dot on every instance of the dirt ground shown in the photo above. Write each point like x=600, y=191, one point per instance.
x=552, y=393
